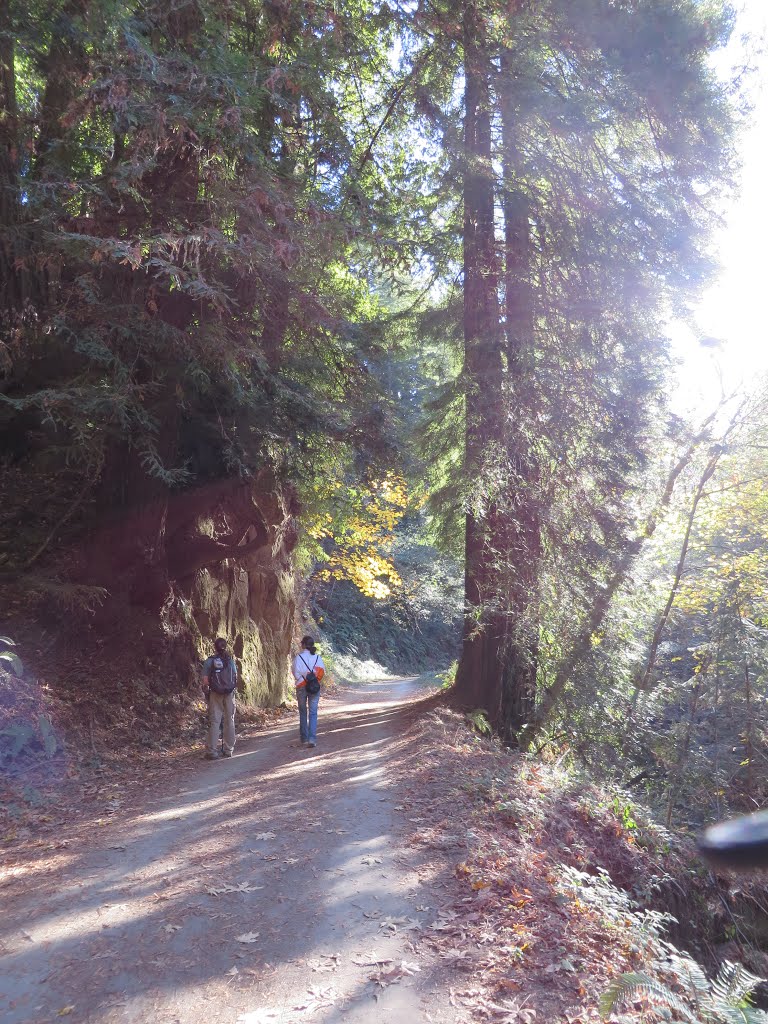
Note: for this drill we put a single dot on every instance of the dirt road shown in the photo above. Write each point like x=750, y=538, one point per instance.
x=271, y=888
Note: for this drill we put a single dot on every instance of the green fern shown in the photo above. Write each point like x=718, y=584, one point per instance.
x=722, y=1001
x=8, y=658
x=629, y=988
x=478, y=719
x=733, y=985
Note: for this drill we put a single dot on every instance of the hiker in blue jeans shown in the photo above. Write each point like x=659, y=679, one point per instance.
x=308, y=670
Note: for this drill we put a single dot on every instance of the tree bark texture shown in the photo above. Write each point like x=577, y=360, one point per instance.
x=10, y=282
x=520, y=528
x=498, y=665
x=478, y=679
x=66, y=67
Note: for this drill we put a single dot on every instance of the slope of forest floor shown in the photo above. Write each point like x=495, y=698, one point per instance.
x=407, y=867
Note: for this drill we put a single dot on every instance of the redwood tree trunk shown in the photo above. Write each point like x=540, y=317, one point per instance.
x=12, y=276
x=520, y=521
x=498, y=665
x=478, y=680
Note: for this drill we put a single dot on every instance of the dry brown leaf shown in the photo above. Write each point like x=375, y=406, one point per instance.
x=213, y=890
x=391, y=924
x=316, y=999
x=391, y=975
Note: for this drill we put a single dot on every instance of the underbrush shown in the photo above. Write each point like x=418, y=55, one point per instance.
x=570, y=899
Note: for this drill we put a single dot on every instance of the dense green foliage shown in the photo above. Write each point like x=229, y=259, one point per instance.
x=179, y=313
x=565, y=221
x=413, y=629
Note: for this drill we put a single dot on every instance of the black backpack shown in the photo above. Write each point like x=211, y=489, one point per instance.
x=311, y=682
x=222, y=678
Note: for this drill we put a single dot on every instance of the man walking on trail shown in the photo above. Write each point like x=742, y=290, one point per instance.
x=219, y=683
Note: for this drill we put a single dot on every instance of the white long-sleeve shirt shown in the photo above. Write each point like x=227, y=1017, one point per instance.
x=302, y=663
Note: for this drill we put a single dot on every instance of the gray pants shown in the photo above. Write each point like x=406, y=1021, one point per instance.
x=220, y=706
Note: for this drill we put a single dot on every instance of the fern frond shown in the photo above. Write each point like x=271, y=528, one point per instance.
x=695, y=981
x=742, y=1015
x=733, y=984
x=627, y=988
x=479, y=721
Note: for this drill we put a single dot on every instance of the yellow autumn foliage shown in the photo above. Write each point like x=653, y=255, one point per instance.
x=363, y=537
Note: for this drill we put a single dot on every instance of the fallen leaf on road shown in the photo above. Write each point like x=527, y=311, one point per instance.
x=259, y=1016
x=391, y=924
x=316, y=999
x=65, y=1011
x=170, y=928
x=372, y=960
x=457, y=955
x=265, y=836
x=248, y=937
x=242, y=887
x=232, y=972
x=508, y=985
x=371, y=860
x=326, y=963
x=394, y=974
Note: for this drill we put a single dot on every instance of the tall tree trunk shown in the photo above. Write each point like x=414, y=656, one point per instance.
x=11, y=288
x=520, y=527
x=478, y=680
x=66, y=66
x=498, y=664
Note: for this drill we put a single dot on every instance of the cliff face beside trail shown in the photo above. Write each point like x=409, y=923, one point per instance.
x=216, y=561
x=124, y=611
x=251, y=600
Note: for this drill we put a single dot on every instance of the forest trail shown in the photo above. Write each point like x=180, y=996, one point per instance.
x=271, y=888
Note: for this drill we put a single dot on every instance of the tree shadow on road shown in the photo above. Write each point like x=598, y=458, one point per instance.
x=290, y=848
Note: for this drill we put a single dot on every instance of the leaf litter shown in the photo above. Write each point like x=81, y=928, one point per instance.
x=504, y=919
